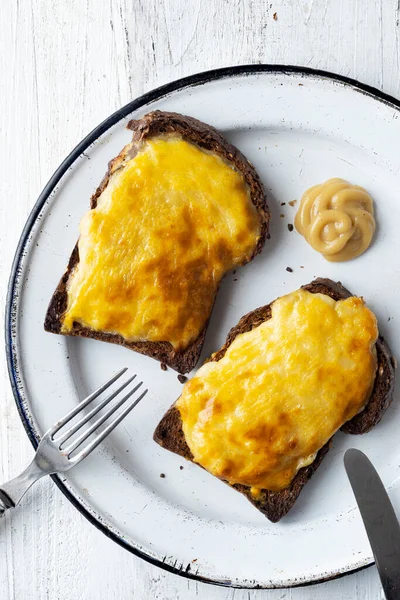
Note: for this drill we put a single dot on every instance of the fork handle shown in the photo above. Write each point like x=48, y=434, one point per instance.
x=12, y=491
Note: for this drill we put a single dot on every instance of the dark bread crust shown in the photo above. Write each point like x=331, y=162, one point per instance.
x=151, y=125
x=275, y=505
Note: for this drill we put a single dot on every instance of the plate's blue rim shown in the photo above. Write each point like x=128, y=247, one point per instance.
x=156, y=94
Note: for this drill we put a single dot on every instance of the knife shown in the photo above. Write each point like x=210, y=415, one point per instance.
x=379, y=518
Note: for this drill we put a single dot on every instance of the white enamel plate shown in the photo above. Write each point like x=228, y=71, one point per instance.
x=298, y=128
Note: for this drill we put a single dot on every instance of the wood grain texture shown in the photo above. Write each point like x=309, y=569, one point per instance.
x=64, y=66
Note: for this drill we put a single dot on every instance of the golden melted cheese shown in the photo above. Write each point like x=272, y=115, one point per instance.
x=281, y=391
x=168, y=226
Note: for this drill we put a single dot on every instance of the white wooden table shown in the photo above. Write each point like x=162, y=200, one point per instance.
x=65, y=66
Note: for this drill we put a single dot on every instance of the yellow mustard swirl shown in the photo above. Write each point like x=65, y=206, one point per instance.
x=337, y=219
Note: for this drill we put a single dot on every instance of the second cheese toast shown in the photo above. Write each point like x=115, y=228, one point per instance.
x=261, y=413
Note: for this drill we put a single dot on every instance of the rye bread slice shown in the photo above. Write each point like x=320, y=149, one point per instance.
x=151, y=125
x=275, y=505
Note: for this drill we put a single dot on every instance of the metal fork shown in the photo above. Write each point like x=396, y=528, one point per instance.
x=53, y=456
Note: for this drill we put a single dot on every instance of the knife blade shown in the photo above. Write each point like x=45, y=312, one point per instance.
x=379, y=519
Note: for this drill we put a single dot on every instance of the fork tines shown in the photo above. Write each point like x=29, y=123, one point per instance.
x=86, y=433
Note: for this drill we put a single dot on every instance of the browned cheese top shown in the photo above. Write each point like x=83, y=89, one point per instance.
x=168, y=226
